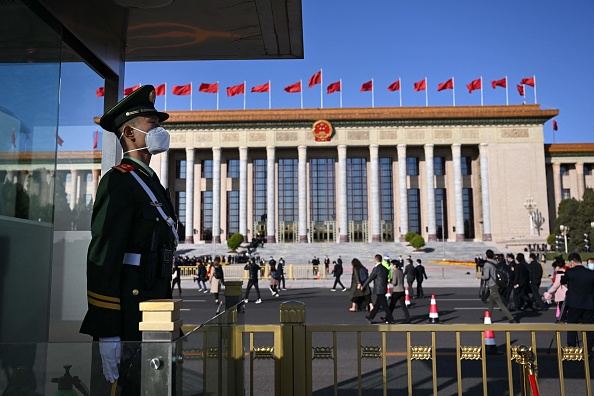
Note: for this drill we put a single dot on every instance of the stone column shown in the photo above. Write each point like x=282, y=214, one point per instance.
x=403, y=192
x=430, y=193
x=485, y=192
x=557, y=184
x=457, y=159
x=375, y=194
x=270, y=194
x=302, y=185
x=189, y=194
x=216, y=194
x=343, y=227
x=165, y=168
x=73, y=188
x=243, y=155
x=579, y=171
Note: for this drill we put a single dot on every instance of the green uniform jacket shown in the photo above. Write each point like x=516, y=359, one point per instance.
x=124, y=221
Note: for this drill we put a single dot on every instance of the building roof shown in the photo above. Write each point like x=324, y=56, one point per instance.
x=569, y=149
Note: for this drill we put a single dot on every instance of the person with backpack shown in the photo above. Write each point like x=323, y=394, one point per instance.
x=337, y=272
x=489, y=275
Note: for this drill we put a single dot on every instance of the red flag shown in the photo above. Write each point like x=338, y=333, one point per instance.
x=445, y=85
x=528, y=81
x=236, y=89
x=521, y=90
x=96, y=139
x=395, y=86
x=499, y=83
x=182, y=89
x=334, y=87
x=368, y=86
x=262, y=88
x=554, y=125
x=160, y=90
x=209, y=88
x=315, y=79
x=420, y=85
x=13, y=139
x=293, y=87
x=473, y=85
x=100, y=92
x=59, y=139
x=128, y=91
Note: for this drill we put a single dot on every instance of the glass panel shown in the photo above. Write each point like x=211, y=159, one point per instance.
x=323, y=189
x=233, y=169
x=180, y=169
x=386, y=189
x=441, y=216
x=206, y=218
x=439, y=166
x=466, y=165
x=207, y=169
x=412, y=166
x=233, y=212
x=357, y=189
x=259, y=199
x=468, y=213
x=414, y=210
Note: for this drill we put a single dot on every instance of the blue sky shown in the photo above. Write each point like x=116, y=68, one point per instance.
x=385, y=40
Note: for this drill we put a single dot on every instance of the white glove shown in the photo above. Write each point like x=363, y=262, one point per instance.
x=111, y=352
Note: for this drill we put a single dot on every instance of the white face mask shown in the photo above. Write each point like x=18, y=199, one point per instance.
x=157, y=140
x=591, y=266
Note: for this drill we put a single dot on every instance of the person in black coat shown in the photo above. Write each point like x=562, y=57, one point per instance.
x=253, y=275
x=379, y=275
x=337, y=271
x=410, y=275
x=579, y=298
x=419, y=275
x=535, y=271
x=521, y=283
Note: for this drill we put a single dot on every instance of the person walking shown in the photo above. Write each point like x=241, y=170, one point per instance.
x=379, y=276
x=579, y=298
x=410, y=275
x=557, y=289
x=358, y=295
x=315, y=265
x=253, y=276
x=274, y=279
x=398, y=294
x=217, y=278
x=419, y=275
x=535, y=271
x=521, y=283
x=489, y=276
x=201, y=277
x=337, y=271
x=176, y=277
x=281, y=271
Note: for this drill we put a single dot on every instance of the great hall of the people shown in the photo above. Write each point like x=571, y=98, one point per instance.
x=355, y=174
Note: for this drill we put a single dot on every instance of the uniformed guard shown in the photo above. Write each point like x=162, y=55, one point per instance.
x=133, y=240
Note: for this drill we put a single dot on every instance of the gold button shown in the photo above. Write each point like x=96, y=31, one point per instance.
x=157, y=219
x=135, y=292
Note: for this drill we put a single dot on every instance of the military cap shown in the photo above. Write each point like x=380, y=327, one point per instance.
x=139, y=102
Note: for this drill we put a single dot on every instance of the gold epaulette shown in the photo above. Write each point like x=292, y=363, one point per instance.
x=103, y=301
x=124, y=168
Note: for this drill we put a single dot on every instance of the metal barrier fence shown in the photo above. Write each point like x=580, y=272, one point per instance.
x=228, y=357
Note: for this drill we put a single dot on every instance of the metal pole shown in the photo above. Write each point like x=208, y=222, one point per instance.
x=442, y=231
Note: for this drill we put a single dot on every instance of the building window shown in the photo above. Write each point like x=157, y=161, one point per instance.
x=587, y=169
x=414, y=210
x=466, y=163
x=180, y=207
x=206, y=218
x=356, y=189
x=563, y=169
x=207, y=169
x=439, y=166
x=68, y=177
x=565, y=193
x=386, y=189
x=412, y=166
x=467, y=207
x=441, y=213
x=233, y=212
x=180, y=169
x=260, y=189
x=322, y=189
x=288, y=194
x=89, y=178
x=88, y=199
x=233, y=169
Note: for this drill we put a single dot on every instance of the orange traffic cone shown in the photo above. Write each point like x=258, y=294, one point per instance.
x=388, y=291
x=406, y=297
x=433, y=314
x=490, y=345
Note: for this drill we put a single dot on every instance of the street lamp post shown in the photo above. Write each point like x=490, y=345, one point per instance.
x=530, y=206
x=564, y=231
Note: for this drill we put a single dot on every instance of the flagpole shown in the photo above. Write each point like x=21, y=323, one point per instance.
x=372, y=95
x=301, y=92
x=191, y=95
x=400, y=90
x=340, y=92
x=269, y=95
x=426, y=93
x=481, y=90
x=217, y=95
x=534, y=78
x=321, y=89
x=244, y=89
x=165, y=96
x=506, y=95
x=524, y=93
x=453, y=92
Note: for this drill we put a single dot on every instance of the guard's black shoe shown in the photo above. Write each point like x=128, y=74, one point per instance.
x=368, y=319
